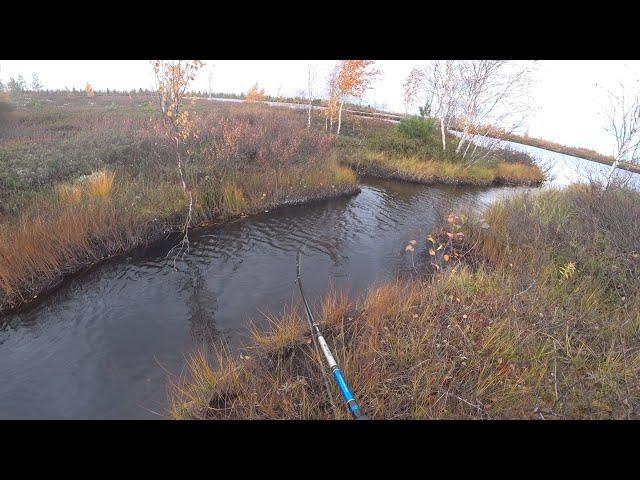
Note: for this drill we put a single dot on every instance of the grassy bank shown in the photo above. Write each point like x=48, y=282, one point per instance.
x=83, y=179
x=412, y=151
x=531, y=312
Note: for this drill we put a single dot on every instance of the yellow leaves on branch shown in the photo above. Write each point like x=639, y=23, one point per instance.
x=89, y=90
x=332, y=107
x=172, y=80
x=355, y=77
x=349, y=78
x=255, y=94
x=186, y=127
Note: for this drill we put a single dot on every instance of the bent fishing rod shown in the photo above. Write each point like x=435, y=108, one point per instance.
x=348, y=397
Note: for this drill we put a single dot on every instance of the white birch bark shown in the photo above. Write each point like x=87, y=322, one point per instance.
x=340, y=117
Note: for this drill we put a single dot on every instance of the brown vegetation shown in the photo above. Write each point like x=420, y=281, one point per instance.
x=82, y=185
x=531, y=313
x=255, y=94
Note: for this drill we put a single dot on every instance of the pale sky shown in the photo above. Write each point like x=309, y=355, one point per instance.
x=569, y=94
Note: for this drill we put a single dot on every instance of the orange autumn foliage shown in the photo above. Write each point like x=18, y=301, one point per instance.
x=255, y=94
x=350, y=78
x=355, y=77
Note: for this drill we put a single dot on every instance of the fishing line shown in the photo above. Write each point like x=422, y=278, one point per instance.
x=322, y=370
x=346, y=393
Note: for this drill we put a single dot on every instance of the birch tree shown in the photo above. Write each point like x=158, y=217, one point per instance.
x=623, y=124
x=36, y=86
x=172, y=79
x=492, y=92
x=354, y=78
x=442, y=86
x=411, y=88
x=333, y=100
x=255, y=94
x=311, y=78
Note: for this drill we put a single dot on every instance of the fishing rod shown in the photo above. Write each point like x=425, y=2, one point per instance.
x=348, y=397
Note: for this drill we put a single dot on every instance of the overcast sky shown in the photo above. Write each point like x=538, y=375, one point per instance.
x=569, y=95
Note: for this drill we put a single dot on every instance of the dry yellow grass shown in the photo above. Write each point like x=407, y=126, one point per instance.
x=99, y=184
x=67, y=228
x=516, y=173
x=64, y=230
x=234, y=201
x=438, y=171
x=69, y=194
x=345, y=175
x=503, y=335
x=42, y=247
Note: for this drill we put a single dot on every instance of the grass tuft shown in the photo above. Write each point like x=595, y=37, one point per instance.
x=99, y=184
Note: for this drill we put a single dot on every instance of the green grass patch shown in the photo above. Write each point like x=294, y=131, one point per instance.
x=412, y=151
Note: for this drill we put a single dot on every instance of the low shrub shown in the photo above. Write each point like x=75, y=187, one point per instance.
x=417, y=128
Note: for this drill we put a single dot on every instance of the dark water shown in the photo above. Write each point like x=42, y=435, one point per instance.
x=101, y=346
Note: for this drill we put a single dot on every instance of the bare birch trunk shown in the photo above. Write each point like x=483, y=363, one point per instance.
x=467, y=149
x=187, y=223
x=462, y=138
x=340, y=117
x=444, y=138
x=614, y=165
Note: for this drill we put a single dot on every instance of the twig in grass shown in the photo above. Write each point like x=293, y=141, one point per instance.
x=480, y=408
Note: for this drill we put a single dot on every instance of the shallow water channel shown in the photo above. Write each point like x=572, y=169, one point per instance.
x=102, y=345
